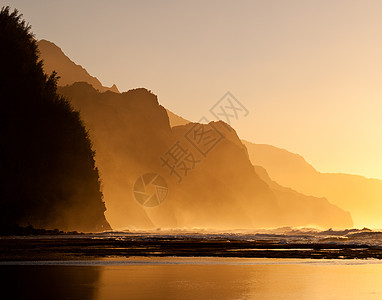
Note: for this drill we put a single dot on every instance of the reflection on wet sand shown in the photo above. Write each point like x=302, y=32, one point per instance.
x=191, y=278
x=49, y=282
x=269, y=281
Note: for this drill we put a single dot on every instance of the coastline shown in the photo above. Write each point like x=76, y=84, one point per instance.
x=106, y=246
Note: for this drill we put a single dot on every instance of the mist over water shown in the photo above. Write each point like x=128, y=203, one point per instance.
x=284, y=235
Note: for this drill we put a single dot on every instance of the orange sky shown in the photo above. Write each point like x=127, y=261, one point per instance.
x=309, y=72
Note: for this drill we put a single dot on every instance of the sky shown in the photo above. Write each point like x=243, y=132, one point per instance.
x=308, y=72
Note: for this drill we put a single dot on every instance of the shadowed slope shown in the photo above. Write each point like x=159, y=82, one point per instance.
x=305, y=209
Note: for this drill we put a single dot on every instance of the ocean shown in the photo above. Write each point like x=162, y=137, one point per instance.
x=266, y=264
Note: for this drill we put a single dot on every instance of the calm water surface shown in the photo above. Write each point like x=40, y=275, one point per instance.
x=193, y=278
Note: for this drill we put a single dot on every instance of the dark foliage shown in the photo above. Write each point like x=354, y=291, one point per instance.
x=47, y=172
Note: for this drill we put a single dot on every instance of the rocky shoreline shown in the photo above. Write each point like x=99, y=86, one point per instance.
x=92, y=246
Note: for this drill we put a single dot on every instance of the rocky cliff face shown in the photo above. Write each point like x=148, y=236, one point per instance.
x=210, y=179
x=128, y=131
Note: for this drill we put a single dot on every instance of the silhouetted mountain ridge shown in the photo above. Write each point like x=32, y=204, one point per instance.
x=357, y=194
x=69, y=72
x=131, y=133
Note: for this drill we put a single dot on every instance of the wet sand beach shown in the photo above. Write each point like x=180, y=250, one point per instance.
x=193, y=278
x=118, y=265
